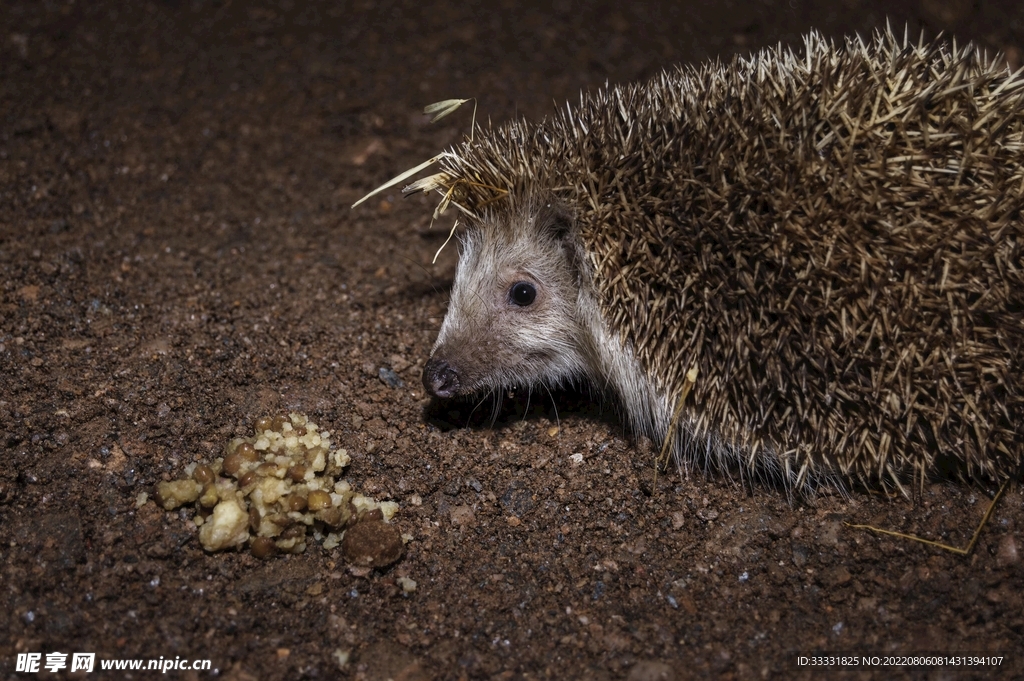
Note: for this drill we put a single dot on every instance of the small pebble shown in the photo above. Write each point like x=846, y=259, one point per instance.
x=399, y=363
x=390, y=378
x=462, y=515
x=707, y=514
x=678, y=520
x=1007, y=553
x=651, y=670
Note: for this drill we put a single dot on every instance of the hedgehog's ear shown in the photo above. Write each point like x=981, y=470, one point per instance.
x=556, y=221
x=559, y=224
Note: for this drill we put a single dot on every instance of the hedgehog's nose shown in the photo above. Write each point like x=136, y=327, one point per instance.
x=440, y=378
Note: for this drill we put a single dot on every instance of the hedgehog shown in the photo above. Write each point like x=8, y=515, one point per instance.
x=800, y=265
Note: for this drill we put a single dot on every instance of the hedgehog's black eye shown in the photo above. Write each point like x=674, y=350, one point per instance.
x=522, y=294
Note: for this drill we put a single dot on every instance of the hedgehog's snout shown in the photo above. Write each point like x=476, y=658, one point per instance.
x=440, y=378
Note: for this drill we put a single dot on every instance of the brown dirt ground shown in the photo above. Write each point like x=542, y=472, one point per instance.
x=178, y=258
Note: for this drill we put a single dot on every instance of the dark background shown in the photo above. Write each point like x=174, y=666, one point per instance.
x=178, y=258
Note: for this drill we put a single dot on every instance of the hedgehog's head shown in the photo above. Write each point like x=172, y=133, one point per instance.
x=514, y=317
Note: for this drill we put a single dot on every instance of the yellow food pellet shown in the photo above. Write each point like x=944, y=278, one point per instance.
x=318, y=499
x=173, y=494
x=227, y=527
x=209, y=497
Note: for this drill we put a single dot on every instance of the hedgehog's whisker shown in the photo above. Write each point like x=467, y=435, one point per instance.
x=558, y=423
x=499, y=398
x=529, y=396
x=486, y=396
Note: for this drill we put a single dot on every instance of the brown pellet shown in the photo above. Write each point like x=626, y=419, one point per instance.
x=203, y=474
x=248, y=452
x=334, y=516
x=294, y=532
x=263, y=547
x=281, y=520
x=254, y=519
x=232, y=463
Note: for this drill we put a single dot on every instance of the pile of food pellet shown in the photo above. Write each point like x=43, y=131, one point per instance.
x=273, y=490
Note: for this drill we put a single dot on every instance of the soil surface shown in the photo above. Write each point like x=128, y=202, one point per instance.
x=178, y=258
